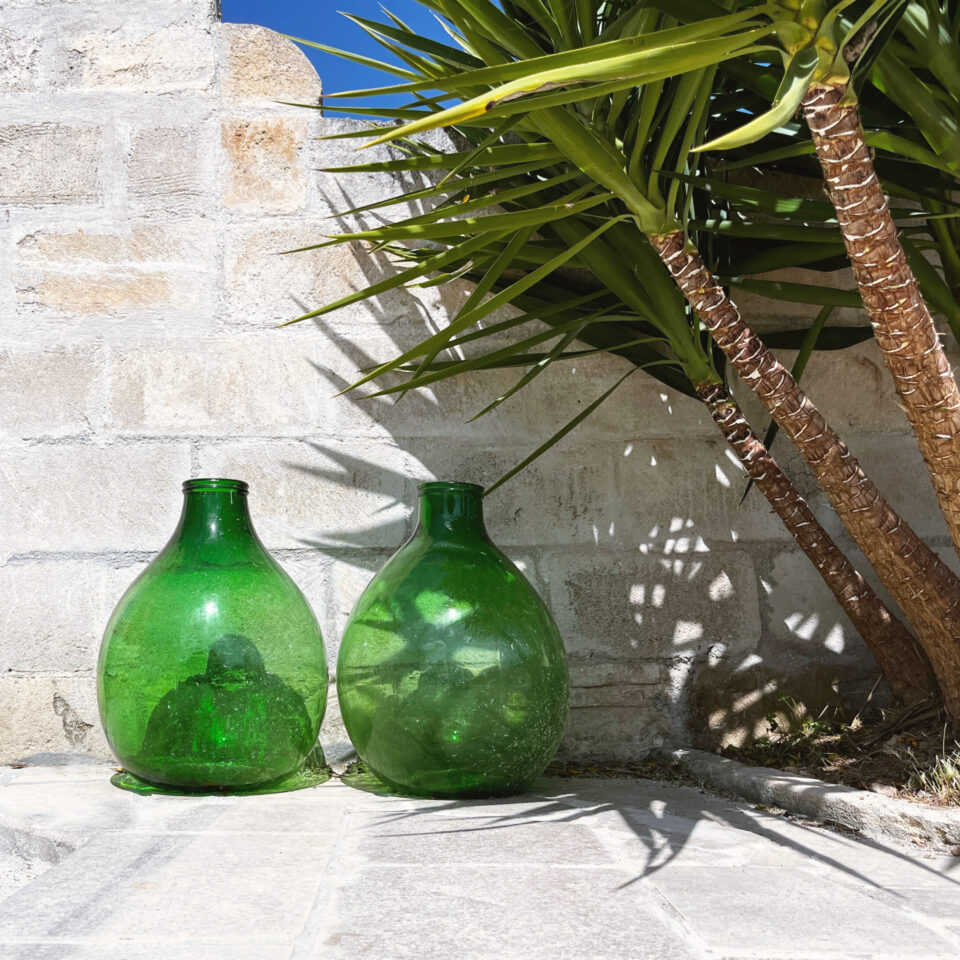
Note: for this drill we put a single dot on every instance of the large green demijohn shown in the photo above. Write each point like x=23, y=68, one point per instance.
x=452, y=677
x=212, y=672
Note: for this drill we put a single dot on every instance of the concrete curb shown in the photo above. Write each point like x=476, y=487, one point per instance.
x=869, y=814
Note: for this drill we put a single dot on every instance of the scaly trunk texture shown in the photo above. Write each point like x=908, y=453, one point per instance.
x=921, y=583
x=904, y=665
x=901, y=321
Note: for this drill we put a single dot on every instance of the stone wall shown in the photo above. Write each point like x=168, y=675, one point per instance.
x=148, y=182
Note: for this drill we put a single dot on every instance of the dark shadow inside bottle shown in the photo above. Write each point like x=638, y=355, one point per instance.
x=217, y=731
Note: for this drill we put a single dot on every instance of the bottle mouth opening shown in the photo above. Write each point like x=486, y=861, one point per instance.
x=451, y=486
x=215, y=485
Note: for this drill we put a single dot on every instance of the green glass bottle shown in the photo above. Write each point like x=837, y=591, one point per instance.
x=452, y=677
x=212, y=673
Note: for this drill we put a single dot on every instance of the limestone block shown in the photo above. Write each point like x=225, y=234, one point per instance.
x=118, y=270
x=136, y=243
x=803, y=620
x=616, y=732
x=114, y=293
x=270, y=286
x=54, y=612
x=644, y=408
x=342, y=191
x=86, y=497
x=565, y=496
x=20, y=60
x=262, y=65
x=264, y=166
x=612, y=604
x=307, y=494
x=49, y=163
x=49, y=392
x=246, y=385
x=598, y=681
x=678, y=497
x=51, y=715
x=541, y=408
x=141, y=54
x=165, y=170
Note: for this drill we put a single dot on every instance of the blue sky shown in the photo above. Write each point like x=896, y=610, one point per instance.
x=319, y=20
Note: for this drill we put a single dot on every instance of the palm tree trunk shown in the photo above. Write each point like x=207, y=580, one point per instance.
x=902, y=324
x=920, y=582
x=901, y=660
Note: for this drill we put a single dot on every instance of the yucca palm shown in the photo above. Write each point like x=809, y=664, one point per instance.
x=818, y=49
x=753, y=230
x=606, y=322
x=595, y=102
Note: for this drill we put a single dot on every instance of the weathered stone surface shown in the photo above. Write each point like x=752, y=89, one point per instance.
x=19, y=65
x=620, y=731
x=140, y=56
x=139, y=292
x=265, y=285
x=264, y=166
x=263, y=65
x=563, y=497
x=304, y=493
x=117, y=270
x=259, y=385
x=113, y=293
x=350, y=572
x=868, y=813
x=444, y=841
x=578, y=867
x=658, y=514
x=543, y=407
x=799, y=618
x=832, y=921
x=49, y=163
x=602, y=682
x=55, y=629
x=166, y=170
x=49, y=393
x=134, y=244
x=670, y=606
x=561, y=916
x=62, y=714
x=123, y=497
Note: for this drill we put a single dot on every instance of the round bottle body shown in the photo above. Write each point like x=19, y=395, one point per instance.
x=212, y=673
x=452, y=677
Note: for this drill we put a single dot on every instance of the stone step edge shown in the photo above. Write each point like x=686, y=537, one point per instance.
x=869, y=814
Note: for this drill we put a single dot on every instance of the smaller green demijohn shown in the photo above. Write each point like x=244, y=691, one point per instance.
x=452, y=677
x=212, y=672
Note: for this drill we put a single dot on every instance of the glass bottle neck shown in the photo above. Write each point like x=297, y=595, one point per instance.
x=215, y=515
x=451, y=511
x=215, y=525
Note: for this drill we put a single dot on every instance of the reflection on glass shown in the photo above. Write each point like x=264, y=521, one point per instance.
x=452, y=677
x=212, y=673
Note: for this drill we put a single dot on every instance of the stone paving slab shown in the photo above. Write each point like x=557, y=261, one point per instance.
x=579, y=869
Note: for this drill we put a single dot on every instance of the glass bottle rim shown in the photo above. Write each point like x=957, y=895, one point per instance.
x=215, y=485
x=450, y=486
